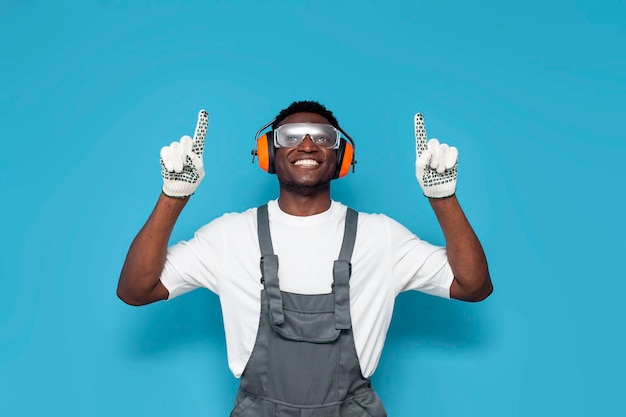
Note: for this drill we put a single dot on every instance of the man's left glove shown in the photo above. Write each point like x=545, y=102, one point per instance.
x=435, y=163
x=182, y=168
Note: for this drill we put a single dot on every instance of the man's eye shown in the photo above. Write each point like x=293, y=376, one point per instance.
x=322, y=139
x=292, y=138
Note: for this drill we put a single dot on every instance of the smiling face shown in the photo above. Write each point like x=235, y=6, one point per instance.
x=306, y=168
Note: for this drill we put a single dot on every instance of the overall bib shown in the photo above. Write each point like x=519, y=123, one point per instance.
x=304, y=362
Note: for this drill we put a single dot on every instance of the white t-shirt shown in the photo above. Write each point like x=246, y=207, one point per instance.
x=224, y=256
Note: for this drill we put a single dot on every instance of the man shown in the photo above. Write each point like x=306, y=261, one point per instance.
x=305, y=334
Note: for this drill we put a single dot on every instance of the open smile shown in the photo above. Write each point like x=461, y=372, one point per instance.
x=306, y=162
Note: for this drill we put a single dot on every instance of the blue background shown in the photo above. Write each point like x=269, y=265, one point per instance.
x=532, y=93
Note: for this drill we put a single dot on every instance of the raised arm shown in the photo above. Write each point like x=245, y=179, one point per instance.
x=182, y=170
x=436, y=170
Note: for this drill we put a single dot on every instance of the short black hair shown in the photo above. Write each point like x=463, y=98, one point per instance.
x=306, y=106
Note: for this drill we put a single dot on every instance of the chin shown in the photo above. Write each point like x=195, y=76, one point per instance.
x=305, y=188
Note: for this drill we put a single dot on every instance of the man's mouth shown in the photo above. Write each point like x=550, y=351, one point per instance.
x=306, y=162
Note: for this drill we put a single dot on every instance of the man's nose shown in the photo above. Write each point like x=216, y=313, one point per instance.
x=307, y=143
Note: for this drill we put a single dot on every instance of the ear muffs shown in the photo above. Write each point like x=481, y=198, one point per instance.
x=345, y=159
x=265, y=152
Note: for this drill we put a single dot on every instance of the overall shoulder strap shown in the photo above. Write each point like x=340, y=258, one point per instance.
x=342, y=268
x=349, y=235
x=263, y=228
x=269, y=266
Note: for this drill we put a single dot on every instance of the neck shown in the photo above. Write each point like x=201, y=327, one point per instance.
x=304, y=204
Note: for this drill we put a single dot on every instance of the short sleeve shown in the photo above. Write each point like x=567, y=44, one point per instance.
x=195, y=263
x=417, y=264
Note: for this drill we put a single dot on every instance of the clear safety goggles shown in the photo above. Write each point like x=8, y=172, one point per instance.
x=291, y=135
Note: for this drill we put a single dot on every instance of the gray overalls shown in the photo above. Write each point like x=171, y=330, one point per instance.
x=304, y=362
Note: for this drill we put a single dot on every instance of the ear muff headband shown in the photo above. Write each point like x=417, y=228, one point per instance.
x=265, y=151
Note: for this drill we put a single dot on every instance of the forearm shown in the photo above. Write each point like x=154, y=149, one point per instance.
x=465, y=253
x=139, y=280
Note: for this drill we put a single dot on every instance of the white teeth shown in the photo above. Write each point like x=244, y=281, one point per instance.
x=309, y=162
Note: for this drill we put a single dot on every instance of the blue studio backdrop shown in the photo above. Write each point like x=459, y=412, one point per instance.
x=532, y=94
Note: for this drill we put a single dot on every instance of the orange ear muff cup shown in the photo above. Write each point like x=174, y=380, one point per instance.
x=265, y=152
x=345, y=157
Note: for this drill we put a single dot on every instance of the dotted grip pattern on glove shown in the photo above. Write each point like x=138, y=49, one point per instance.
x=182, y=168
x=436, y=164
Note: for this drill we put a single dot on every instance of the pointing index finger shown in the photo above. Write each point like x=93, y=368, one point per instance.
x=420, y=135
x=200, y=133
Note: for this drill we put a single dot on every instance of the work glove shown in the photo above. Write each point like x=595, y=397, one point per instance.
x=435, y=163
x=182, y=168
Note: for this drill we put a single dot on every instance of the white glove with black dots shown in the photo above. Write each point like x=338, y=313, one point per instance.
x=435, y=163
x=182, y=168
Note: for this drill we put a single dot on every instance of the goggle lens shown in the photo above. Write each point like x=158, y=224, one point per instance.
x=292, y=134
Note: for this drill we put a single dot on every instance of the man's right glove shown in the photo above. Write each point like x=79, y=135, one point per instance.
x=435, y=164
x=182, y=168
